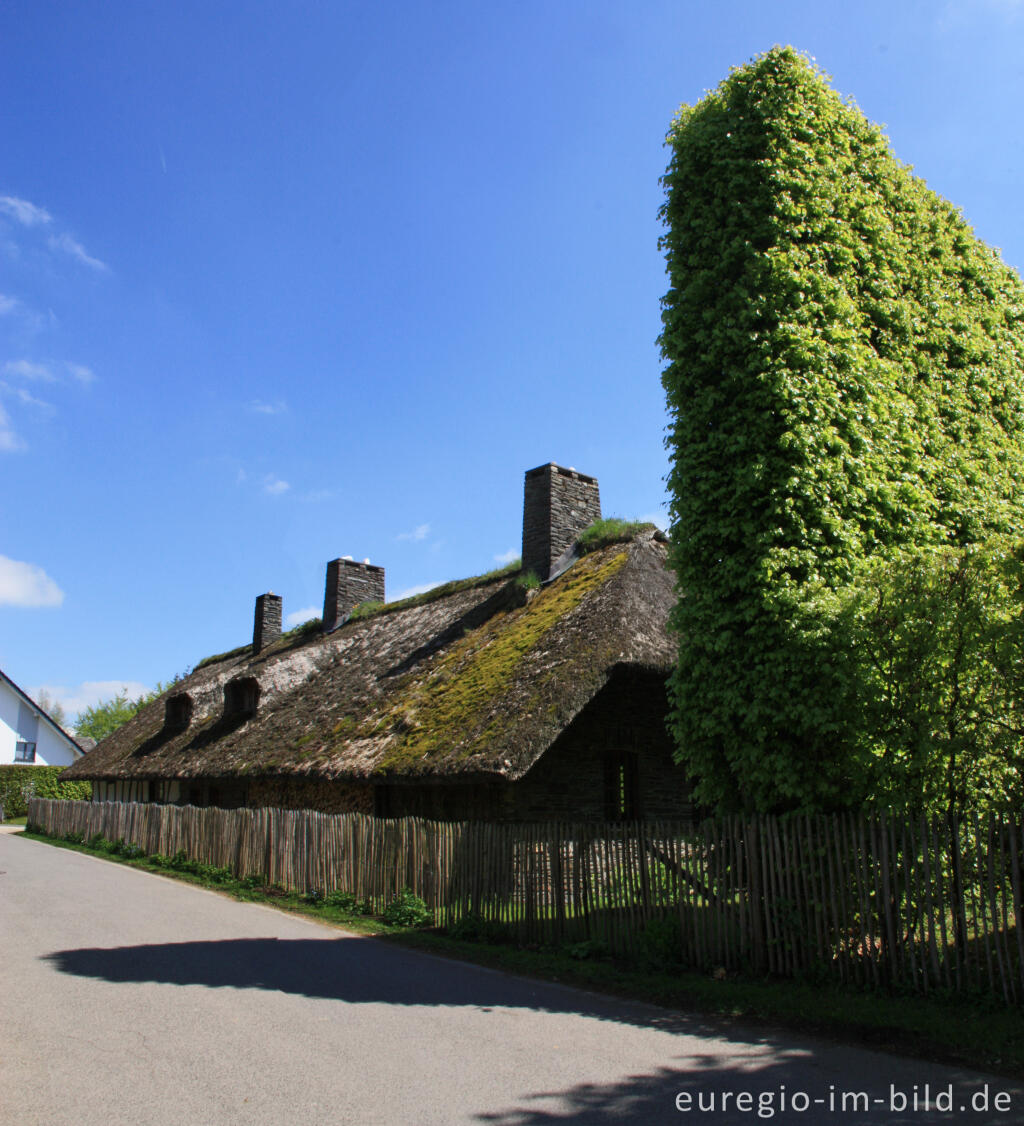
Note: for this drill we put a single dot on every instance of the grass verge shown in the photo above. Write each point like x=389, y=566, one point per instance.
x=977, y=1032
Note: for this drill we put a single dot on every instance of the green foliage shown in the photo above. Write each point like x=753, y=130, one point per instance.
x=180, y=862
x=101, y=720
x=407, y=910
x=473, y=927
x=932, y=680
x=528, y=580
x=844, y=381
x=366, y=610
x=18, y=783
x=609, y=530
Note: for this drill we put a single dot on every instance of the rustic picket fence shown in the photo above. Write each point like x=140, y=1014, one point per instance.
x=923, y=904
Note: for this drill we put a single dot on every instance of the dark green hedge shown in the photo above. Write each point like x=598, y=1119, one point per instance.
x=844, y=380
x=19, y=783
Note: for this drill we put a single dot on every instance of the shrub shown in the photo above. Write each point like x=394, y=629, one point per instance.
x=407, y=910
x=18, y=783
x=475, y=928
x=343, y=901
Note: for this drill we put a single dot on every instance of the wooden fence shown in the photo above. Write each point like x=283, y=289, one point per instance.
x=878, y=901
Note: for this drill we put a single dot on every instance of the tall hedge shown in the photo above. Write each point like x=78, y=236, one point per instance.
x=843, y=380
x=19, y=783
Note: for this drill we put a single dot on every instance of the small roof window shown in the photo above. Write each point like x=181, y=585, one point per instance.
x=178, y=711
x=241, y=696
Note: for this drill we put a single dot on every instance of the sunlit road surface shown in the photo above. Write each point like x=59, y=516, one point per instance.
x=127, y=998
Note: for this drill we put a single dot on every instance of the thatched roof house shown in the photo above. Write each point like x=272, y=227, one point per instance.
x=487, y=698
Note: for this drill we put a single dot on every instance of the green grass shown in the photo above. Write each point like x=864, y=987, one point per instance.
x=978, y=1032
x=15, y=820
x=609, y=530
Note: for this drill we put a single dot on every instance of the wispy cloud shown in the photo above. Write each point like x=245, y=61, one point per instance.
x=24, y=397
x=257, y=406
x=411, y=590
x=26, y=585
x=507, y=557
x=274, y=486
x=9, y=441
x=297, y=617
x=68, y=245
x=83, y=374
x=8, y=305
x=75, y=699
x=26, y=369
x=418, y=533
x=27, y=214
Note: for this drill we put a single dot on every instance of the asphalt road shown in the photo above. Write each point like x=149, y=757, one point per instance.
x=127, y=998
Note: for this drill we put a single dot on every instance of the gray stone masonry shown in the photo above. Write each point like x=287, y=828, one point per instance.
x=348, y=584
x=557, y=505
x=266, y=626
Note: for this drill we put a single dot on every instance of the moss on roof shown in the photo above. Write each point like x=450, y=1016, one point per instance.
x=477, y=678
x=453, y=705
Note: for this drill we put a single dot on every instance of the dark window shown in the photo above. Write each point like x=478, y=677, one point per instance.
x=178, y=712
x=24, y=752
x=622, y=786
x=241, y=696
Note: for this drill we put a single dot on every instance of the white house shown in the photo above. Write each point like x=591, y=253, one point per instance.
x=28, y=735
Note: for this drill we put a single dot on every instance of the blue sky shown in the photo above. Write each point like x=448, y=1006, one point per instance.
x=283, y=281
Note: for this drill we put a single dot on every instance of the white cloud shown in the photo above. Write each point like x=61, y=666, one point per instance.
x=507, y=557
x=297, y=617
x=9, y=441
x=64, y=242
x=26, y=585
x=24, y=397
x=84, y=375
x=410, y=591
x=257, y=406
x=419, y=533
x=8, y=305
x=27, y=214
x=25, y=369
x=88, y=694
x=274, y=486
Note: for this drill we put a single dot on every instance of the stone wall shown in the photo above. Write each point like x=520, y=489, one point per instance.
x=349, y=583
x=266, y=626
x=557, y=505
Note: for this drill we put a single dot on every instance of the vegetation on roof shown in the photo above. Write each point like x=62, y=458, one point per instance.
x=438, y=712
x=609, y=530
x=371, y=610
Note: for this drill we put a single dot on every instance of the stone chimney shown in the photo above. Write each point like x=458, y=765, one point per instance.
x=557, y=505
x=348, y=584
x=266, y=627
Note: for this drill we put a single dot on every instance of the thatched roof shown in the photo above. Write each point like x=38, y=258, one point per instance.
x=478, y=682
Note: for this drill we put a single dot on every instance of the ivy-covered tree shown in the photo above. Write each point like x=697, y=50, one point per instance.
x=844, y=380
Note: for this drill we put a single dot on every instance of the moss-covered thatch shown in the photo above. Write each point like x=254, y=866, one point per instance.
x=477, y=681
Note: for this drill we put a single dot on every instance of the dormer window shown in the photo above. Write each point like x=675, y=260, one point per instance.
x=241, y=696
x=178, y=712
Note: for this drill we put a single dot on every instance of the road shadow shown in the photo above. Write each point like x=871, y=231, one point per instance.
x=723, y=1058
x=357, y=971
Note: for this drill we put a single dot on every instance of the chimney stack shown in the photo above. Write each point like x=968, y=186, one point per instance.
x=348, y=584
x=558, y=504
x=267, y=623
